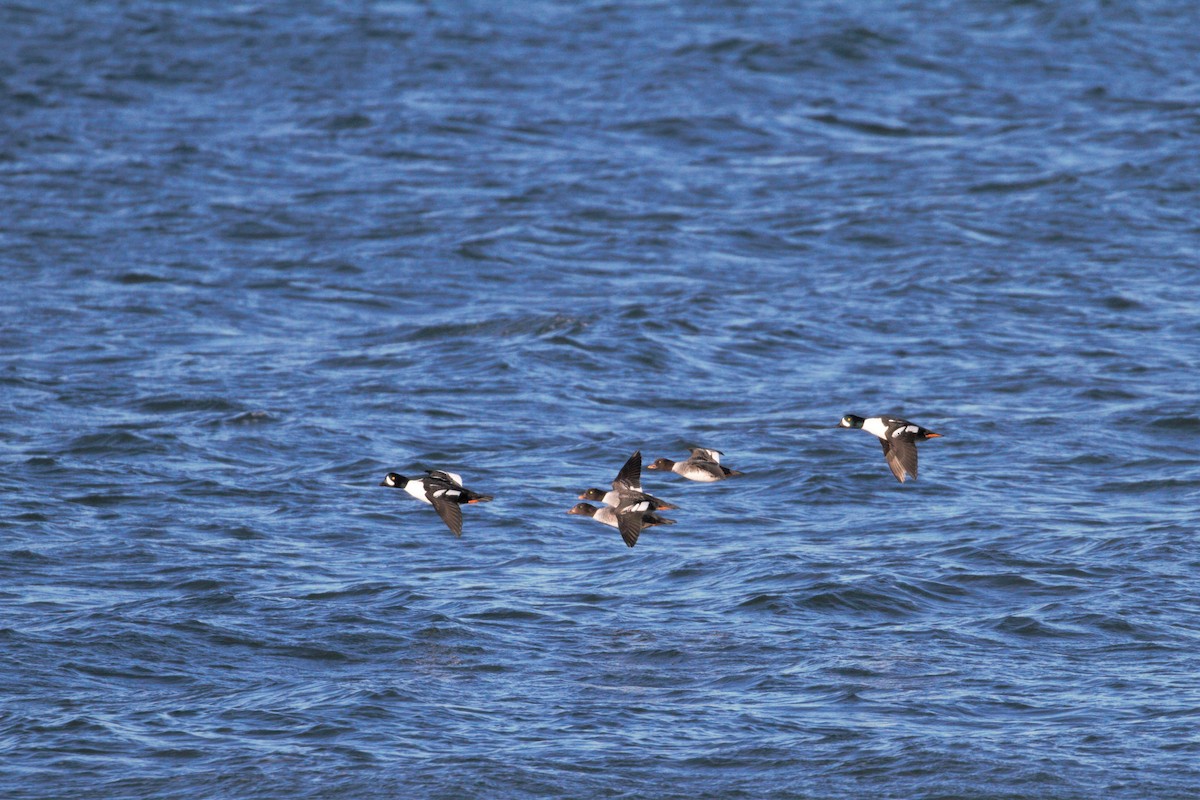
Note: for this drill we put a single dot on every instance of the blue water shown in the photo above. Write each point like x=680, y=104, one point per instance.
x=257, y=255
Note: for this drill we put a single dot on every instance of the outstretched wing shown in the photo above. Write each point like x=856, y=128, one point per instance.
x=707, y=453
x=445, y=497
x=629, y=523
x=447, y=509
x=901, y=455
x=630, y=477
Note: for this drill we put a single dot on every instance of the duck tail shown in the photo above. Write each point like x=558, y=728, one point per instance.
x=660, y=504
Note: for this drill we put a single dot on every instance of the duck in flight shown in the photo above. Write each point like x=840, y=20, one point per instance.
x=630, y=520
x=899, y=438
x=442, y=490
x=627, y=488
x=704, y=464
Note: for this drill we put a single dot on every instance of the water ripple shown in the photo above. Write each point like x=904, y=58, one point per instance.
x=256, y=259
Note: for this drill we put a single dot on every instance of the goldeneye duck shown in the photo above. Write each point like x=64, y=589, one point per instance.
x=630, y=521
x=442, y=490
x=627, y=488
x=899, y=438
x=704, y=464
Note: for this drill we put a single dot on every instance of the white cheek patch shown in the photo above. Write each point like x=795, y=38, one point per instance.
x=391, y=481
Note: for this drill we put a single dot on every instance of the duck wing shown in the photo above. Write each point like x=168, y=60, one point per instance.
x=629, y=479
x=442, y=475
x=901, y=455
x=704, y=465
x=707, y=453
x=630, y=524
x=448, y=509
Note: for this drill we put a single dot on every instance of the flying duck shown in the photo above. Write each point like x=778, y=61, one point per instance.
x=627, y=488
x=704, y=464
x=899, y=438
x=443, y=490
x=630, y=521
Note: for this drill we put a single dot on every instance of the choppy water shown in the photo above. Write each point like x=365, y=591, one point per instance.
x=257, y=255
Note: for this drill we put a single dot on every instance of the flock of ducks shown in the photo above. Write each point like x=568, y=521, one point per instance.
x=629, y=509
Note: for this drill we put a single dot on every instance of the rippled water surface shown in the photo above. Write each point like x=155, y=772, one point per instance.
x=257, y=255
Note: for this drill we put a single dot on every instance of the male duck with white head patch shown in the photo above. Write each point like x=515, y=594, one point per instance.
x=899, y=438
x=442, y=490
